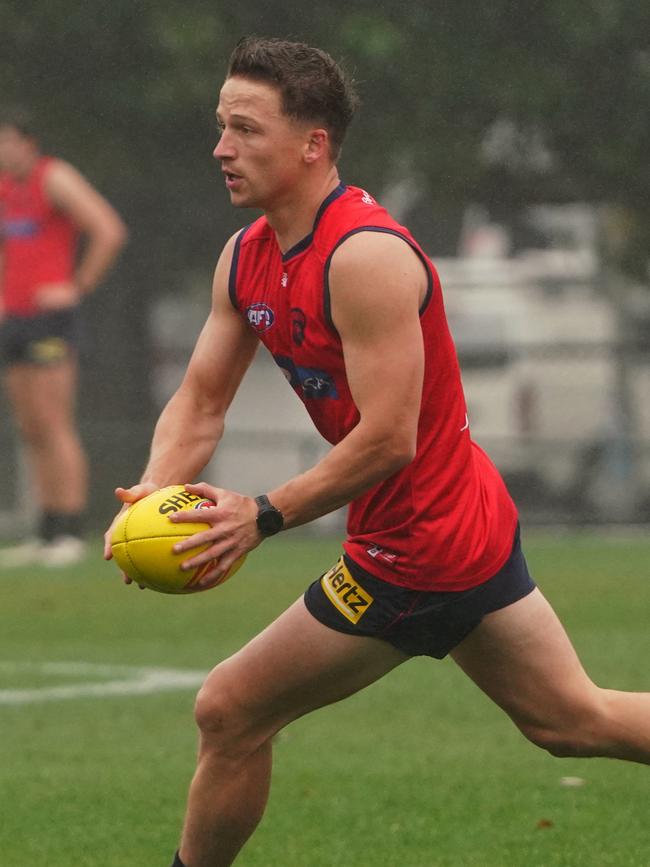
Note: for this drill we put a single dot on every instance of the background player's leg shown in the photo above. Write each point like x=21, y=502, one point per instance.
x=522, y=658
x=293, y=667
x=43, y=399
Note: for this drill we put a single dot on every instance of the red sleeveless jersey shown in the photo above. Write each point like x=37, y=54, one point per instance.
x=38, y=241
x=443, y=522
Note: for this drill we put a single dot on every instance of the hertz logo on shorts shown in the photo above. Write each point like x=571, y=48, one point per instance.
x=345, y=593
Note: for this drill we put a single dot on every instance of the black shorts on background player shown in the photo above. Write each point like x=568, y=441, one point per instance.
x=43, y=339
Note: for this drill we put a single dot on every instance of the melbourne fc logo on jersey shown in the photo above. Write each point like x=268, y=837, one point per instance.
x=298, y=325
x=260, y=316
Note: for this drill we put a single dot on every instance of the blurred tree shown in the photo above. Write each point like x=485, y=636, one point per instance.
x=567, y=81
x=128, y=91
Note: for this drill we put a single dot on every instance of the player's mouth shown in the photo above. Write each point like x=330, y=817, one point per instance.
x=232, y=180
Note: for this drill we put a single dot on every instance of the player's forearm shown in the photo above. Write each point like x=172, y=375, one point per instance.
x=351, y=468
x=99, y=255
x=184, y=440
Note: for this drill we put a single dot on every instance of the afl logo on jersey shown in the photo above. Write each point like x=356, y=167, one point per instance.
x=260, y=316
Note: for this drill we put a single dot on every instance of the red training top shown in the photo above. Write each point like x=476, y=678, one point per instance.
x=443, y=522
x=38, y=241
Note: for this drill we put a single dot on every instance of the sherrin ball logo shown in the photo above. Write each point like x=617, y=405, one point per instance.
x=204, y=504
x=143, y=539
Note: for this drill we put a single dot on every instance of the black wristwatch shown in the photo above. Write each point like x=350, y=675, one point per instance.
x=269, y=519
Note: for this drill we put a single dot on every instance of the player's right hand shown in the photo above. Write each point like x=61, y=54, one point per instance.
x=126, y=496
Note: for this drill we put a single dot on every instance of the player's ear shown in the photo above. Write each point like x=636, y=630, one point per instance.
x=317, y=145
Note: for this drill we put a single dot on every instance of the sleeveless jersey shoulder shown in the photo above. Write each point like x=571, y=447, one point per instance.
x=249, y=241
x=353, y=210
x=357, y=211
x=36, y=184
x=41, y=168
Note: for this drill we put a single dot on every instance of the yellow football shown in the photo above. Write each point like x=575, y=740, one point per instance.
x=143, y=537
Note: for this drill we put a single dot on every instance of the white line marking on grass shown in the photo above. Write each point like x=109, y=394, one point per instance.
x=126, y=680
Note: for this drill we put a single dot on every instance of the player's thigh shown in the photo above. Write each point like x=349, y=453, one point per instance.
x=522, y=658
x=294, y=666
x=43, y=394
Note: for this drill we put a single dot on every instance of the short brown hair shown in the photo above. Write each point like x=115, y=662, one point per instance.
x=313, y=87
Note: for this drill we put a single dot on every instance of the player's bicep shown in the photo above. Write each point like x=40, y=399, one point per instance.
x=377, y=283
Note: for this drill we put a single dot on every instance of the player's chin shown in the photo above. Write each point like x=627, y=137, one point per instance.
x=245, y=197
x=239, y=200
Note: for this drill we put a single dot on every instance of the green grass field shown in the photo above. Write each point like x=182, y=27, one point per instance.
x=420, y=770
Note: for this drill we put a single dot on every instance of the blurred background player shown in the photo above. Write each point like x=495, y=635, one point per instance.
x=45, y=205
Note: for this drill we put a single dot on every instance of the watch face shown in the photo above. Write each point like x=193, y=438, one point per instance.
x=269, y=521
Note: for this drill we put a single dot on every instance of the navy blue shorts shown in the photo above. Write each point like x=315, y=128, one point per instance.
x=46, y=338
x=419, y=623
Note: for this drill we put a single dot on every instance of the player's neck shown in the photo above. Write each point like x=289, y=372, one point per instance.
x=24, y=167
x=294, y=217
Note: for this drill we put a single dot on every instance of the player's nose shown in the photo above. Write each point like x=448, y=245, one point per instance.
x=224, y=148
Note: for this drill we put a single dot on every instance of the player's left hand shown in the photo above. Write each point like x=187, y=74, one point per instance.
x=57, y=296
x=232, y=531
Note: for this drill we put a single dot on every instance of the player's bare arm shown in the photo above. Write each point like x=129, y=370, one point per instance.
x=377, y=284
x=191, y=424
x=105, y=233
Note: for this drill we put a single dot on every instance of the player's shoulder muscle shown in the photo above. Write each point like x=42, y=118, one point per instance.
x=375, y=269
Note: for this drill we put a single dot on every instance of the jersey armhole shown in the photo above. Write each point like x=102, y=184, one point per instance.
x=232, y=277
x=327, y=303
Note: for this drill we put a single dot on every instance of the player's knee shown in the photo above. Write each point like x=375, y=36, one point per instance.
x=37, y=433
x=220, y=715
x=213, y=708
x=31, y=432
